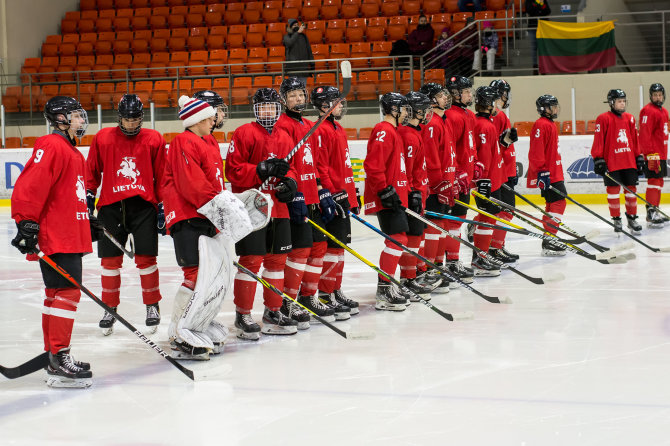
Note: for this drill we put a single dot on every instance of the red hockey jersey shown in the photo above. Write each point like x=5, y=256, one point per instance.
x=488, y=151
x=333, y=160
x=501, y=122
x=615, y=140
x=384, y=166
x=462, y=123
x=449, y=156
x=415, y=160
x=434, y=145
x=193, y=176
x=303, y=160
x=130, y=165
x=654, y=130
x=543, y=154
x=51, y=190
x=250, y=145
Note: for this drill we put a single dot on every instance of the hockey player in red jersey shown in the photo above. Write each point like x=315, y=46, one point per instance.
x=312, y=200
x=653, y=141
x=336, y=175
x=545, y=167
x=615, y=150
x=490, y=156
x=386, y=193
x=417, y=183
x=128, y=162
x=255, y=154
x=49, y=207
x=468, y=169
x=507, y=138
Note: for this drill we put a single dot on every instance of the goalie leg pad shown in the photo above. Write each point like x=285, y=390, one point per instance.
x=217, y=332
x=180, y=301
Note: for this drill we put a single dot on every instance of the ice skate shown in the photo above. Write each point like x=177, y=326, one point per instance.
x=462, y=272
x=388, y=298
x=633, y=225
x=183, y=350
x=499, y=254
x=64, y=372
x=484, y=268
x=616, y=221
x=552, y=250
x=654, y=218
x=341, y=298
x=153, y=318
x=509, y=254
x=315, y=305
x=342, y=312
x=292, y=310
x=411, y=290
x=247, y=328
x=276, y=323
x=106, y=324
x=430, y=278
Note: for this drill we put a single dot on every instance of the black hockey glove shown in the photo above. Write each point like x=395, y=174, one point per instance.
x=389, y=198
x=513, y=181
x=342, y=200
x=162, y=230
x=327, y=205
x=484, y=187
x=90, y=201
x=285, y=190
x=599, y=166
x=414, y=202
x=26, y=240
x=508, y=137
x=543, y=179
x=97, y=228
x=297, y=208
x=272, y=167
x=640, y=165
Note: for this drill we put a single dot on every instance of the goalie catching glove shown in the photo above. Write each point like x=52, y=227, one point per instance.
x=238, y=216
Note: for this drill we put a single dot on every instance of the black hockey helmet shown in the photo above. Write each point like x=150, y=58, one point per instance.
x=264, y=113
x=217, y=103
x=291, y=84
x=433, y=89
x=421, y=106
x=612, y=96
x=455, y=85
x=130, y=107
x=485, y=98
x=657, y=87
x=504, y=89
x=323, y=96
x=392, y=103
x=544, y=104
x=59, y=109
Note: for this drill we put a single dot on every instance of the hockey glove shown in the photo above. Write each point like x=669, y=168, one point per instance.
x=463, y=182
x=297, y=209
x=513, y=181
x=599, y=166
x=162, y=230
x=26, y=239
x=286, y=189
x=654, y=162
x=543, y=180
x=327, y=205
x=90, y=201
x=484, y=187
x=342, y=200
x=640, y=165
x=414, y=201
x=445, y=193
x=479, y=170
x=357, y=210
x=272, y=167
x=97, y=228
x=508, y=137
x=389, y=198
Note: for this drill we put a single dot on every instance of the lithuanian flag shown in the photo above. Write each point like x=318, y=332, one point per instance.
x=572, y=47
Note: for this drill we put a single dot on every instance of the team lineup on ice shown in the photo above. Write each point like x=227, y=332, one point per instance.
x=284, y=220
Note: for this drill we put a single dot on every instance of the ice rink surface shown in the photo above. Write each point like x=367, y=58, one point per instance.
x=584, y=361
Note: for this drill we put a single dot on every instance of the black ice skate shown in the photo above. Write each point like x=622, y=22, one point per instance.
x=461, y=271
x=484, y=268
x=247, y=328
x=293, y=311
x=344, y=300
x=342, y=312
x=633, y=225
x=415, y=288
x=499, y=254
x=430, y=278
x=153, y=317
x=64, y=371
x=314, y=304
x=551, y=250
x=509, y=254
x=616, y=221
x=107, y=323
x=276, y=323
x=388, y=298
x=654, y=218
x=184, y=350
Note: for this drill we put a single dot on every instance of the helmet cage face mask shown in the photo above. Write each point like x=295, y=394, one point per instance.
x=221, y=110
x=134, y=131
x=265, y=115
x=408, y=114
x=77, y=114
x=289, y=95
x=424, y=115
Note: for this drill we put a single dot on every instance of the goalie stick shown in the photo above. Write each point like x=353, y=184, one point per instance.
x=492, y=299
x=635, y=193
x=37, y=363
x=447, y=316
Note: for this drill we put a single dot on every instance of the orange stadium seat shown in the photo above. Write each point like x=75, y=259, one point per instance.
x=369, y=9
x=450, y=5
x=335, y=31
x=350, y=9
x=352, y=133
x=315, y=32
x=591, y=127
x=364, y=133
x=360, y=50
x=340, y=51
x=198, y=31
x=237, y=57
x=232, y=17
x=355, y=30
x=217, y=58
x=271, y=11
x=257, y=55
x=28, y=141
x=329, y=10
x=241, y=90
x=381, y=49
x=366, y=87
x=197, y=62
x=484, y=15
x=432, y=6
x=12, y=142
x=523, y=128
x=277, y=54
x=202, y=84
x=495, y=5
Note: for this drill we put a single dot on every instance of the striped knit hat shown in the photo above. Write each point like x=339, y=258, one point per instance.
x=192, y=111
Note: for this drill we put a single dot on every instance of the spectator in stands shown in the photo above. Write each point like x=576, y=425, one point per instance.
x=489, y=45
x=470, y=5
x=444, y=49
x=421, y=39
x=535, y=8
x=298, y=49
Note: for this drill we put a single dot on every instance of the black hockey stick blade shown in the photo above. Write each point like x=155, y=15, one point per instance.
x=37, y=363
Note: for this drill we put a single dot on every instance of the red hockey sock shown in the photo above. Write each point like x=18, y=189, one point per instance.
x=244, y=286
x=432, y=241
x=50, y=294
x=273, y=273
x=420, y=265
x=556, y=210
x=310, y=280
x=294, y=270
x=614, y=201
x=408, y=261
x=442, y=245
x=482, y=235
x=631, y=200
x=111, y=280
x=388, y=260
x=61, y=318
x=151, y=292
x=330, y=270
x=498, y=239
x=654, y=186
x=190, y=276
x=453, y=246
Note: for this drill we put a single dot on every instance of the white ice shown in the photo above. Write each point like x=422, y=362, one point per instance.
x=584, y=361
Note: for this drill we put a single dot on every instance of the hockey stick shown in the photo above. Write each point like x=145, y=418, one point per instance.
x=492, y=299
x=118, y=244
x=273, y=288
x=485, y=255
x=449, y=317
x=108, y=309
x=37, y=363
x=345, y=67
x=635, y=193
x=598, y=216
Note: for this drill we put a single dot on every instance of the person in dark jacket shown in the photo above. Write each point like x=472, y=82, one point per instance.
x=421, y=39
x=535, y=8
x=298, y=49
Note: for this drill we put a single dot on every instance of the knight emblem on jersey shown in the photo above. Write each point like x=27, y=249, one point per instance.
x=622, y=138
x=128, y=169
x=307, y=156
x=347, y=160
x=81, y=189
